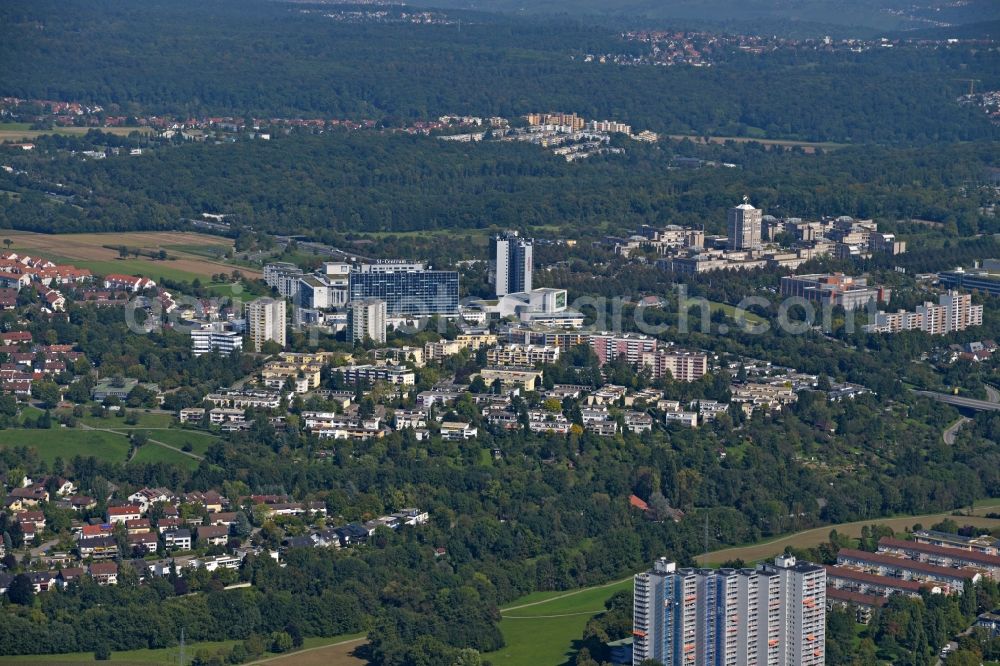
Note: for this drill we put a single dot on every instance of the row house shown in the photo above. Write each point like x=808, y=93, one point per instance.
x=548, y=422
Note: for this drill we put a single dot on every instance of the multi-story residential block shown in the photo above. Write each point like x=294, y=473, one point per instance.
x=982, y=543
x=942, y=556
x=266, y=321
x=393, y=374
x=434, y=351
x=682, y=366
x=954, y=312
x=948, y=579
x=527, y=379
x=513, y=263
x=366, y=320
x=215, y=336
x=245, y=399
x=774, y=614
x=283, y=277
x=522, y=355
x=630, y=346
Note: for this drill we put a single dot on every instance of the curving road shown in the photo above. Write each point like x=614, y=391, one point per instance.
x=949, y=434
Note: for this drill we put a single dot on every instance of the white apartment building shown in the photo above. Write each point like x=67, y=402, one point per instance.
x=366, y=320
x=522, y=355
x=953, y=312
x=266, y=321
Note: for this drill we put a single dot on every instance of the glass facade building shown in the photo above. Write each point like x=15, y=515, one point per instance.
x=408, y=292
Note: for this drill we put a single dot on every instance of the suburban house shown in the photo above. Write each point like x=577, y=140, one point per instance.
x=104, y=573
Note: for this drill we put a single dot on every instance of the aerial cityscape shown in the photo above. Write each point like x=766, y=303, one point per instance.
x=476, y=332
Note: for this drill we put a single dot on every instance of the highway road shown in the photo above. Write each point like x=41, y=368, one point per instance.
x=959, y=401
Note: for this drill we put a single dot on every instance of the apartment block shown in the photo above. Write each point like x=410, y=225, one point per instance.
x=953, y=312
x=774, y=614
x=630, y=346
x=522, y=355
x=682, y=366
x=266, y=321
x=366, y=320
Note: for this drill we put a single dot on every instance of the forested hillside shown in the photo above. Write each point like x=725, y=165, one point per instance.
x=276, y=59
x=343, y=182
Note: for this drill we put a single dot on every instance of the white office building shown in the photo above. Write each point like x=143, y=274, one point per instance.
x=215, y=337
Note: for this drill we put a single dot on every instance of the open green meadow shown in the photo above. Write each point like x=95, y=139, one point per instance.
x=540, y=628
x=151, y=454
x=106, y=438
x=199, y=441
x=66, y=443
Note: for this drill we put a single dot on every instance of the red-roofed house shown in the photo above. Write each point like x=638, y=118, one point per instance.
x=121, y=514
x=638, y=503
x=16, y=338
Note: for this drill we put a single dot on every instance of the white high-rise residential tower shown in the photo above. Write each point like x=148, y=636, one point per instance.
x=266, y=321
x=513, y=263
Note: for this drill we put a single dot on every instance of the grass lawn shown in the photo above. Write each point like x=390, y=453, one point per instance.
x=178, y=437
x=67, y=443
x=163, y=657
x=544, y=632
x=152, y=453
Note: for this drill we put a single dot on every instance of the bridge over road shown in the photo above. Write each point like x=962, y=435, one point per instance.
x=962, y=403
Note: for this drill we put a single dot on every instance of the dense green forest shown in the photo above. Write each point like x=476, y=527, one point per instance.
x=357, y=182
x=855, y=17
x=272, y=60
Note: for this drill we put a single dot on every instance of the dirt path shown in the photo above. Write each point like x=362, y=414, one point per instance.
x=563, y=596
x=818, y=535
x=335, y=654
